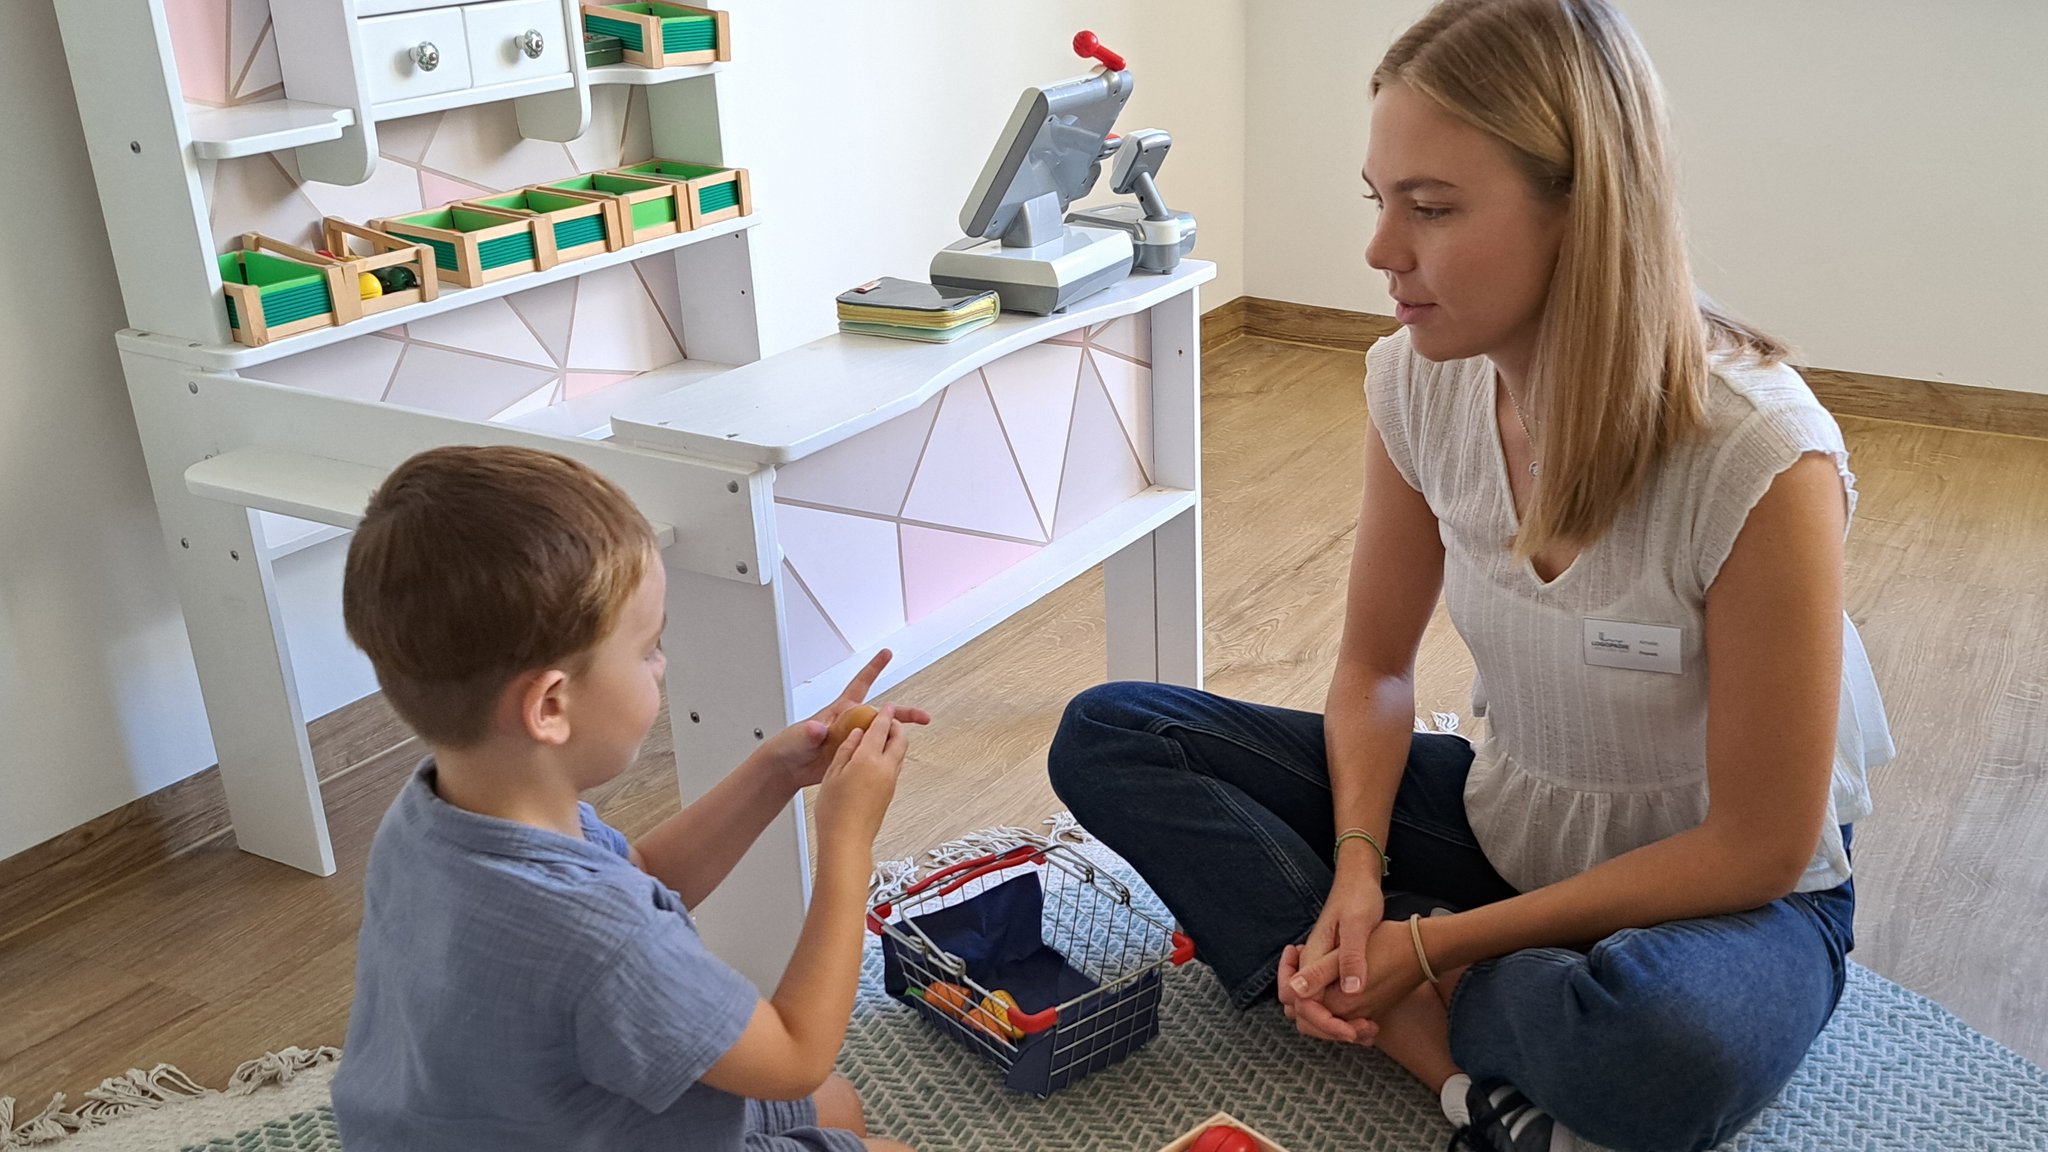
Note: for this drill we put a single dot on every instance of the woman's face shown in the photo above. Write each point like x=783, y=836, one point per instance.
x=1467, y=246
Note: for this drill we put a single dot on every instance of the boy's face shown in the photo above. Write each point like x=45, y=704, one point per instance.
x=614, y=701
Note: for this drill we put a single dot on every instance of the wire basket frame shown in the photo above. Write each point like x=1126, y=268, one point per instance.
x=1115, y=950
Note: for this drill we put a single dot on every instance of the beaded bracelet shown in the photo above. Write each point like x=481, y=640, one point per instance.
x=1386, y=864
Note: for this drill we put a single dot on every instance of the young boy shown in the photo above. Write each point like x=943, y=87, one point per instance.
x=526, y=978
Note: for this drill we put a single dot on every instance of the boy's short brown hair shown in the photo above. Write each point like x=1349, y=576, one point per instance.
x=473, y=565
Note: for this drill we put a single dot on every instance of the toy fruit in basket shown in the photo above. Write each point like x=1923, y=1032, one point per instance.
x=991, y=1017
x=1224, y=1138
x=998, y=1007
x=859, y=716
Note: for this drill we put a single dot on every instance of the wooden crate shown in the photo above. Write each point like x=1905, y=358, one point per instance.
x=385, y=254
x=714, y=193
x=657, y=34
x=273, y=290
x=582, y=227
x=645, y=208
x=476, y=246
x=1187, y=1139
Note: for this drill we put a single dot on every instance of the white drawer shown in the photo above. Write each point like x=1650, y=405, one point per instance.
x=390, y=44
x=501, y=36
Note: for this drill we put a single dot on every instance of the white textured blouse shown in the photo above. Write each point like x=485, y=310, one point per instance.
x=1594, y=685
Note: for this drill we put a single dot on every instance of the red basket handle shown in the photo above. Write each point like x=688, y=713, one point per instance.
x=976, y=867
x=1035, y=1022
x=1183, y=948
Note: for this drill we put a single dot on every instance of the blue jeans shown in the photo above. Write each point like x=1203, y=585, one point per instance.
x=1670, y=1037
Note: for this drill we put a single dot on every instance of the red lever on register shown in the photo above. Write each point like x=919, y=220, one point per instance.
x=1086, y=44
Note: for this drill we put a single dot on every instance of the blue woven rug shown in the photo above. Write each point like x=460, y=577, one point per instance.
x=1893, y=1071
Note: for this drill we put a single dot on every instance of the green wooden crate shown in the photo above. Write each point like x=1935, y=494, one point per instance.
x=474, y=245
x=662, y=35
x=644, y=208
x=581, y=227
x=713, y=193
x=270, y=297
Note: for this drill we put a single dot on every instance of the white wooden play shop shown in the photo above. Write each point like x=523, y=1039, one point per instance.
x=851, y=494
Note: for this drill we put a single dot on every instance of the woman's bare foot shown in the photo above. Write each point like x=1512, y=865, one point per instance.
x=1417, y=1034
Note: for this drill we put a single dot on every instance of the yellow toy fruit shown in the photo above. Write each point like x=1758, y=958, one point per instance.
x=367, y=285
x=997, y=1006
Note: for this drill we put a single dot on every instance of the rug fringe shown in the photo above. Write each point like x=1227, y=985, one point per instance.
x=894, y=875
x=140, y=1091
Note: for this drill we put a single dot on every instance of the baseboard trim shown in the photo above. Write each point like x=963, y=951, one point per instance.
x=143, y=834
x=1938, y=404
x=1222, y=324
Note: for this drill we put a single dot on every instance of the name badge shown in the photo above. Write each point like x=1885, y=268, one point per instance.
x=1638, y=647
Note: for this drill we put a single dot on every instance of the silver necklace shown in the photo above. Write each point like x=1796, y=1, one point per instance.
x=1535, y=465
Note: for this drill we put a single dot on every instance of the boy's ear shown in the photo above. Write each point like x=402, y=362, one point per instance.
x=540, y=701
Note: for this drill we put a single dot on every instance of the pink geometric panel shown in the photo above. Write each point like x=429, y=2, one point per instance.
x=490, y=328
x=252, y=50
x=436, y=190
x=540, y=398
x=658, y=273
x=603, y=143
x=617, y=326
x=575, y=384
x=481, y=145
x=940, y=567
x=1130, y=335
x=254, y=194
x=852, y=564
x=199, y=40
x=1129, y=387
x=264, y=79
x=638, y=144
x=392, y=190
x=548, y=311
x=1101, y=471
x=462, y=385
x=359, y=369
x=813, y=645
x=866, y=473
x=407, y=139
x=1034, y=394
x=1071, y=339
x=968, y=478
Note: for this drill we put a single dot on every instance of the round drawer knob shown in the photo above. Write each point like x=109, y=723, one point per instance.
x=532, y=44
x=426, y=56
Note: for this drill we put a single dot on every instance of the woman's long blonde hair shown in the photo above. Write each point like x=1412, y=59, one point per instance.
x=1621, y=365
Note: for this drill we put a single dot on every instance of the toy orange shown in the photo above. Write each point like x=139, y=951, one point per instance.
x=859, y=716
x=950, y=999
x=990, y=1017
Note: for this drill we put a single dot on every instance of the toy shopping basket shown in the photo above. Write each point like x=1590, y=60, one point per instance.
x=1032, y=957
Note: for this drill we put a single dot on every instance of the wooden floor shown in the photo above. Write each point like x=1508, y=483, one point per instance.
x=218, y=956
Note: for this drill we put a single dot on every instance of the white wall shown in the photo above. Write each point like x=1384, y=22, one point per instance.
x=864, y=126
x=1867, y=180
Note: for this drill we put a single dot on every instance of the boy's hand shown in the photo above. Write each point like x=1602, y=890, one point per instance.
x=860, y=782
x=798, y=752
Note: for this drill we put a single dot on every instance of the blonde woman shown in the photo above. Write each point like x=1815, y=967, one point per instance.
x=1636, y=512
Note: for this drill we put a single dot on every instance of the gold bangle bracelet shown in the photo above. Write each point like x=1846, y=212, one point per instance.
x=1421, y=957
x=1386, y=863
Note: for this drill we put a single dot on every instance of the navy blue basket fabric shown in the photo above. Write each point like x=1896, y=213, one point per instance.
x=998, y=935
